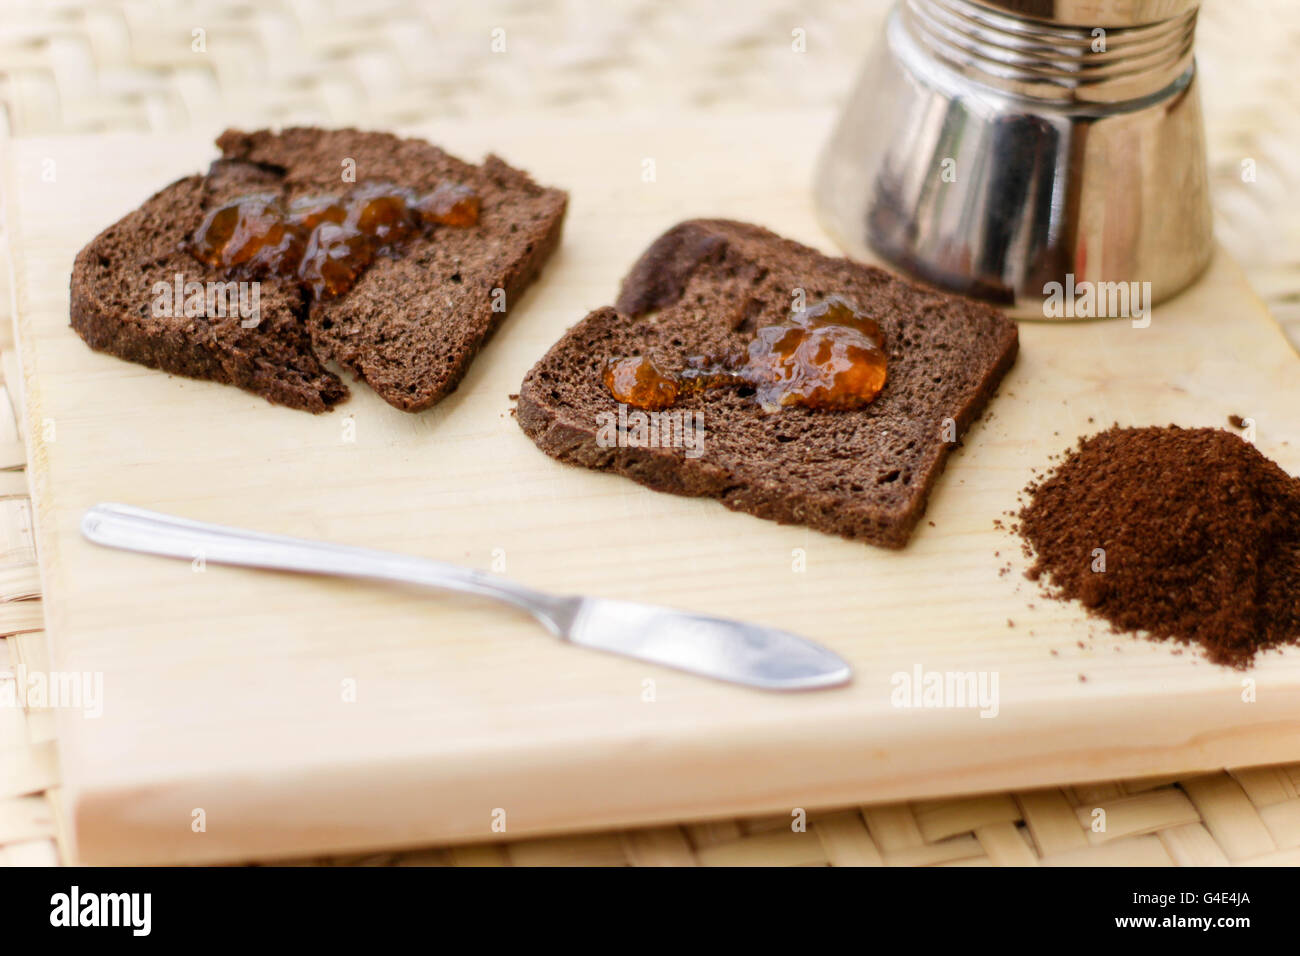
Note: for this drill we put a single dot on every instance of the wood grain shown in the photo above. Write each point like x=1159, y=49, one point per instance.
x=223, y=689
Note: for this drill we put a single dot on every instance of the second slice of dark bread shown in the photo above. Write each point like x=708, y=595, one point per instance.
x=702, y=289
x=409, y=327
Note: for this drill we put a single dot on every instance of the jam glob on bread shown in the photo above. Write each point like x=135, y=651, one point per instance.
x=324, y=242
x=827, y=356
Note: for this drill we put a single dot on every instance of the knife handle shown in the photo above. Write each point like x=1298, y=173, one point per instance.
x=151, y=532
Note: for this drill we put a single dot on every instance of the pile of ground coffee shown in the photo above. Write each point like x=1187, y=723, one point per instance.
x=1187, y=534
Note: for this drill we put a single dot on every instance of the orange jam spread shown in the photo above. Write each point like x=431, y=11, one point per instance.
x=829, y=356
x=325, y=242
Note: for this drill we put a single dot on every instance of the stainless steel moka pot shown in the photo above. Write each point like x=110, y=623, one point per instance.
x=993, y=147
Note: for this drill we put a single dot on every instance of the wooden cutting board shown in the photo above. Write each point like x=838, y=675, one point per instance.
x=303, y=715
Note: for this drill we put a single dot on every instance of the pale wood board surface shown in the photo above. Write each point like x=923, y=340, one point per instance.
x=223, y=688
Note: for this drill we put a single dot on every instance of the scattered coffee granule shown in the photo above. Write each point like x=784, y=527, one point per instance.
x=1199, y=533
x=1236, y=421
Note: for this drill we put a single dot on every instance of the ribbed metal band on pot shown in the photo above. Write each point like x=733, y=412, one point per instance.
x=1046, y=60
x=1100, y=13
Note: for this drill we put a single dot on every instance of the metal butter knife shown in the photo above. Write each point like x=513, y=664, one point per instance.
x=715, y=647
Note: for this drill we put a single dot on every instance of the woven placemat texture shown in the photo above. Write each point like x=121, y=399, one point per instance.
x=87, y=66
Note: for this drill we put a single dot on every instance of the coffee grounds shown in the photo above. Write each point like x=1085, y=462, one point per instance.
x=1199, y=534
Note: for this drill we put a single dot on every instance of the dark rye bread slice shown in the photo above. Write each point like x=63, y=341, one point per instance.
x=112, y=301
x=702, y=289
x=409, y=327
